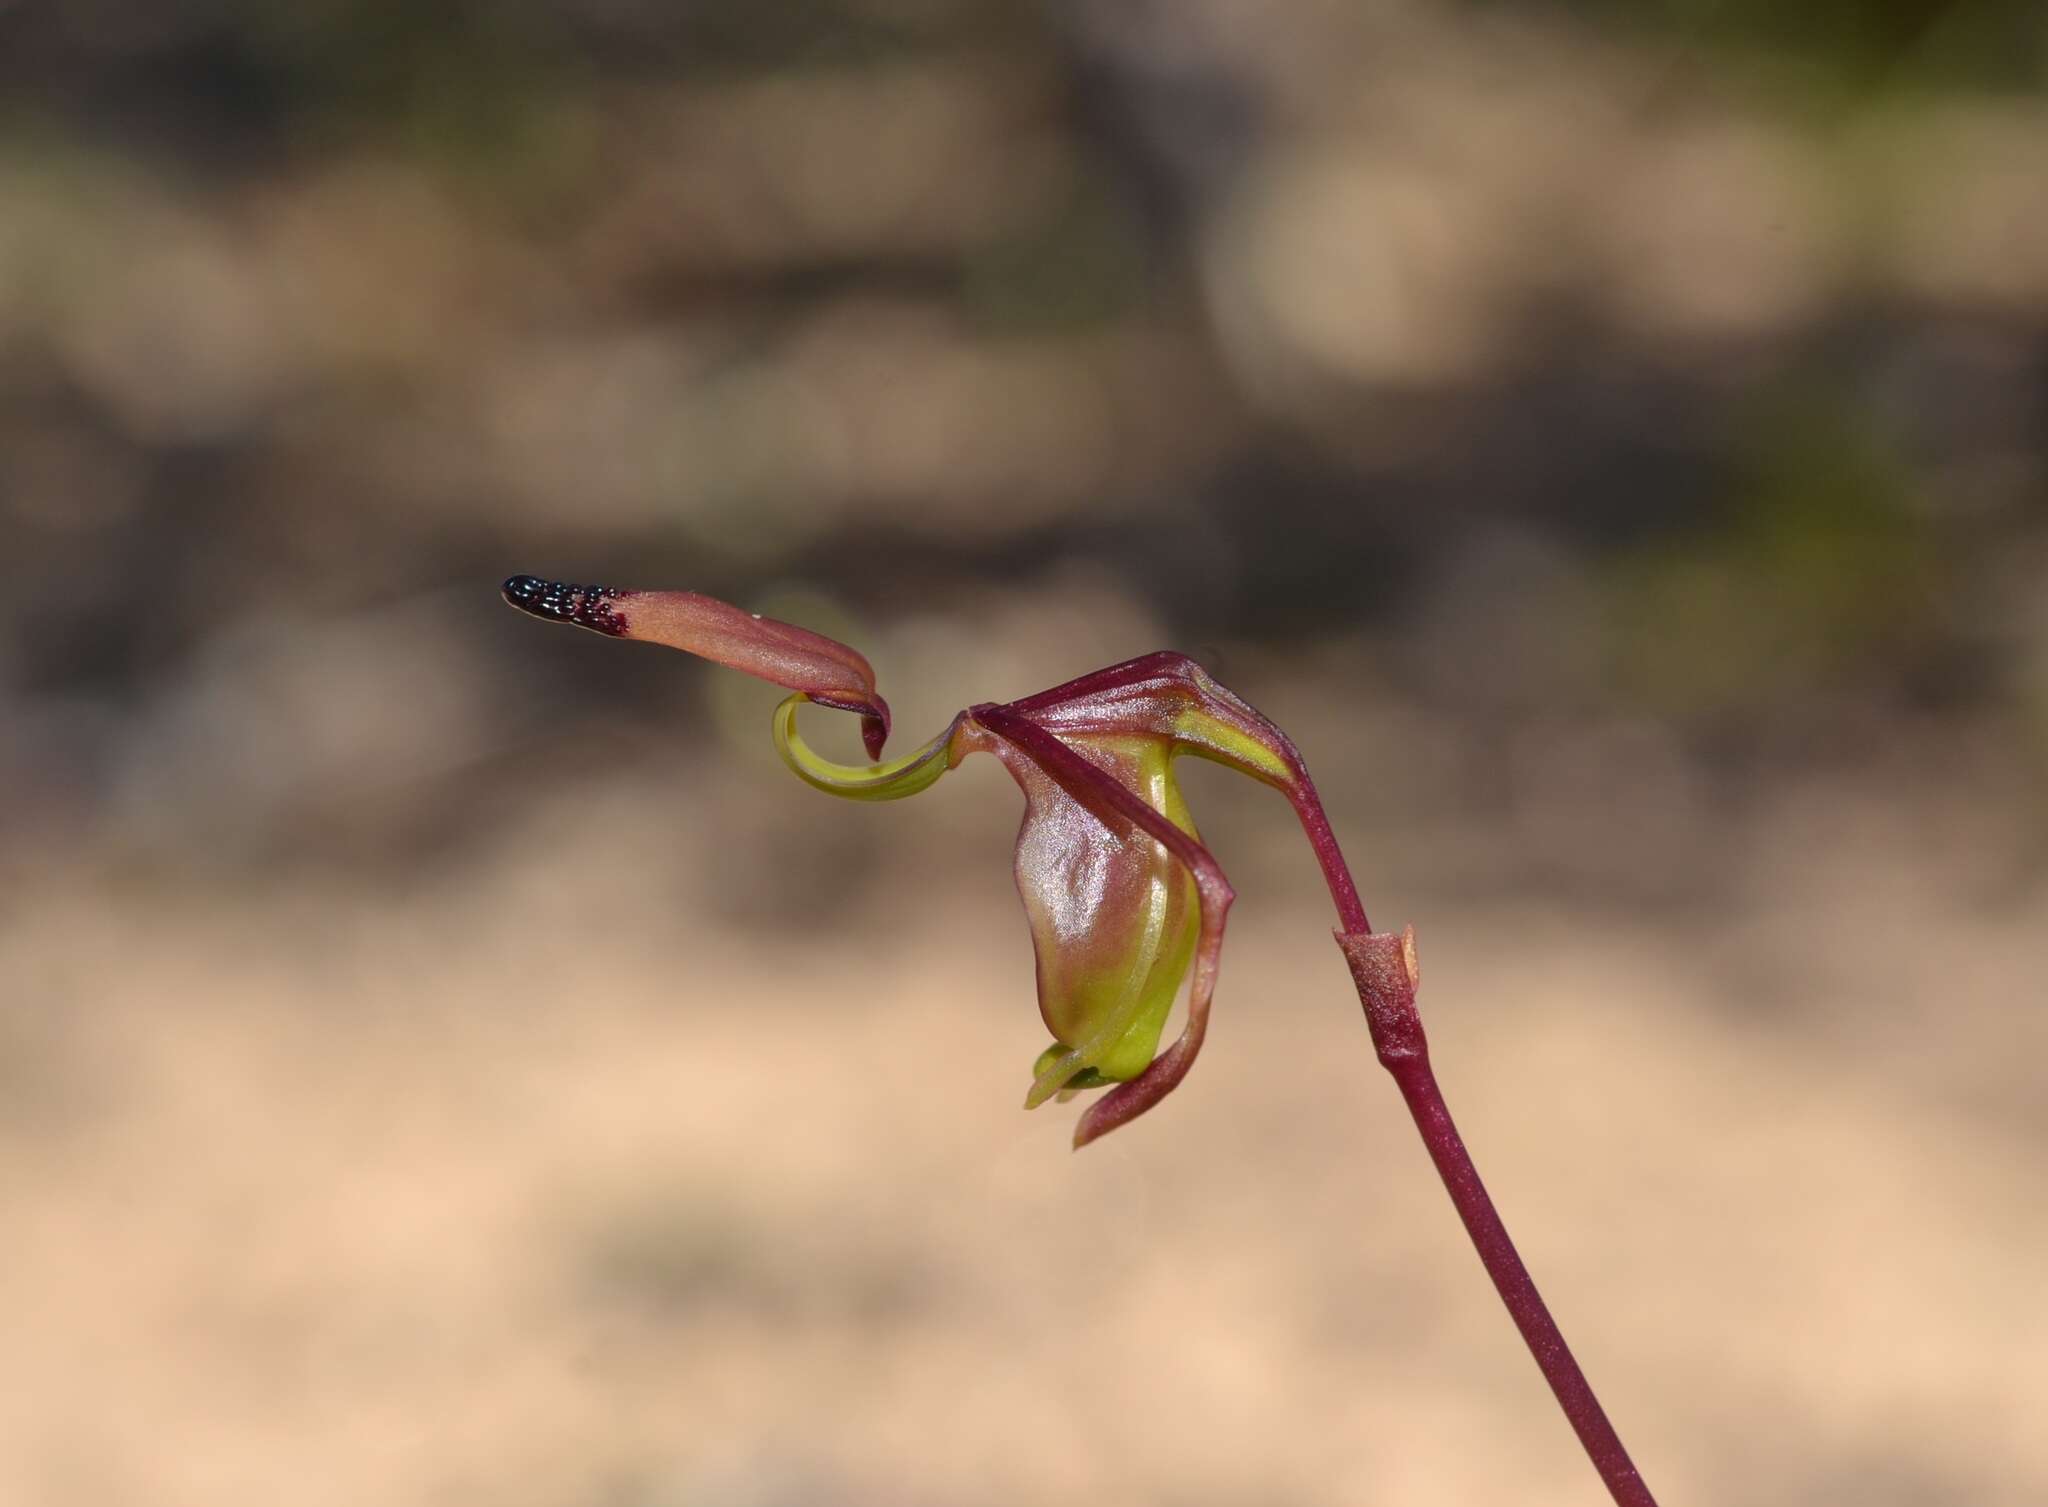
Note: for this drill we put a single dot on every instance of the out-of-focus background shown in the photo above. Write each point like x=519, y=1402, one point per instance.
x=445, y=1060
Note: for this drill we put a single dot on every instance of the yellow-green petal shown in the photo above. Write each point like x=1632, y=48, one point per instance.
x=1211, y=737
x=876, y=782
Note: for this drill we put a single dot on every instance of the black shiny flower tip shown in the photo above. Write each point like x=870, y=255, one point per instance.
x=566, y=602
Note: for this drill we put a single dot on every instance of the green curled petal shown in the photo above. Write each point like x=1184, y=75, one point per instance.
x=877, y=782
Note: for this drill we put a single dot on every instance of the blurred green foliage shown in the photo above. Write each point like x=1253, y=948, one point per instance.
x=1816, y=568
x=1858, y=44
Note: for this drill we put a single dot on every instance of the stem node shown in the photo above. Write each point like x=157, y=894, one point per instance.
x=1384, y=968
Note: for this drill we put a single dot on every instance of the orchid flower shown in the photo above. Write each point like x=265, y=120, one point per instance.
x=1120, y=893
x=1122, y=897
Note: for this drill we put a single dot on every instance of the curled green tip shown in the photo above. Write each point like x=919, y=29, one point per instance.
x=877, y=782
x=1055, y=1075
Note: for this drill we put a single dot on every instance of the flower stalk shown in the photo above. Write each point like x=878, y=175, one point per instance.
x=1122, y=896
x=1383, y=967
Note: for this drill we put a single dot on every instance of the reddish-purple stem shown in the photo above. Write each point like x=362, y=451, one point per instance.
x=1504, y=1264
x=1308, y=807
x=1383, y=966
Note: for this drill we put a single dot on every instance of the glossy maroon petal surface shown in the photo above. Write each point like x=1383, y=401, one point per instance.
x=783, y=654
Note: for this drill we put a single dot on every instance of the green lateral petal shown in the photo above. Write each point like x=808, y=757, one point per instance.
x=877, y=782
x=1211, y=737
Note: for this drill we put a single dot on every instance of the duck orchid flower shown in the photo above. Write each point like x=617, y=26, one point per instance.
x=1122, y=898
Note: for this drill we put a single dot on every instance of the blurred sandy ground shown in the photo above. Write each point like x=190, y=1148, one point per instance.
x=444, y=1061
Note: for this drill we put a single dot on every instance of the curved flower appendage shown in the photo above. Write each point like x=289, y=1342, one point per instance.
x=879, y=782
x=783, y=654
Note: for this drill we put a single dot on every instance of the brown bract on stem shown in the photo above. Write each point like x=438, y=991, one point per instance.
x=1123, y=898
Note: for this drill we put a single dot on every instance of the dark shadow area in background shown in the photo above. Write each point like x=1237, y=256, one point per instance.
x=1752, y=528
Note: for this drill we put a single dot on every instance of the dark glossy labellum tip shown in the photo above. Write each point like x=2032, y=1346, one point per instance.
x=566, y=602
